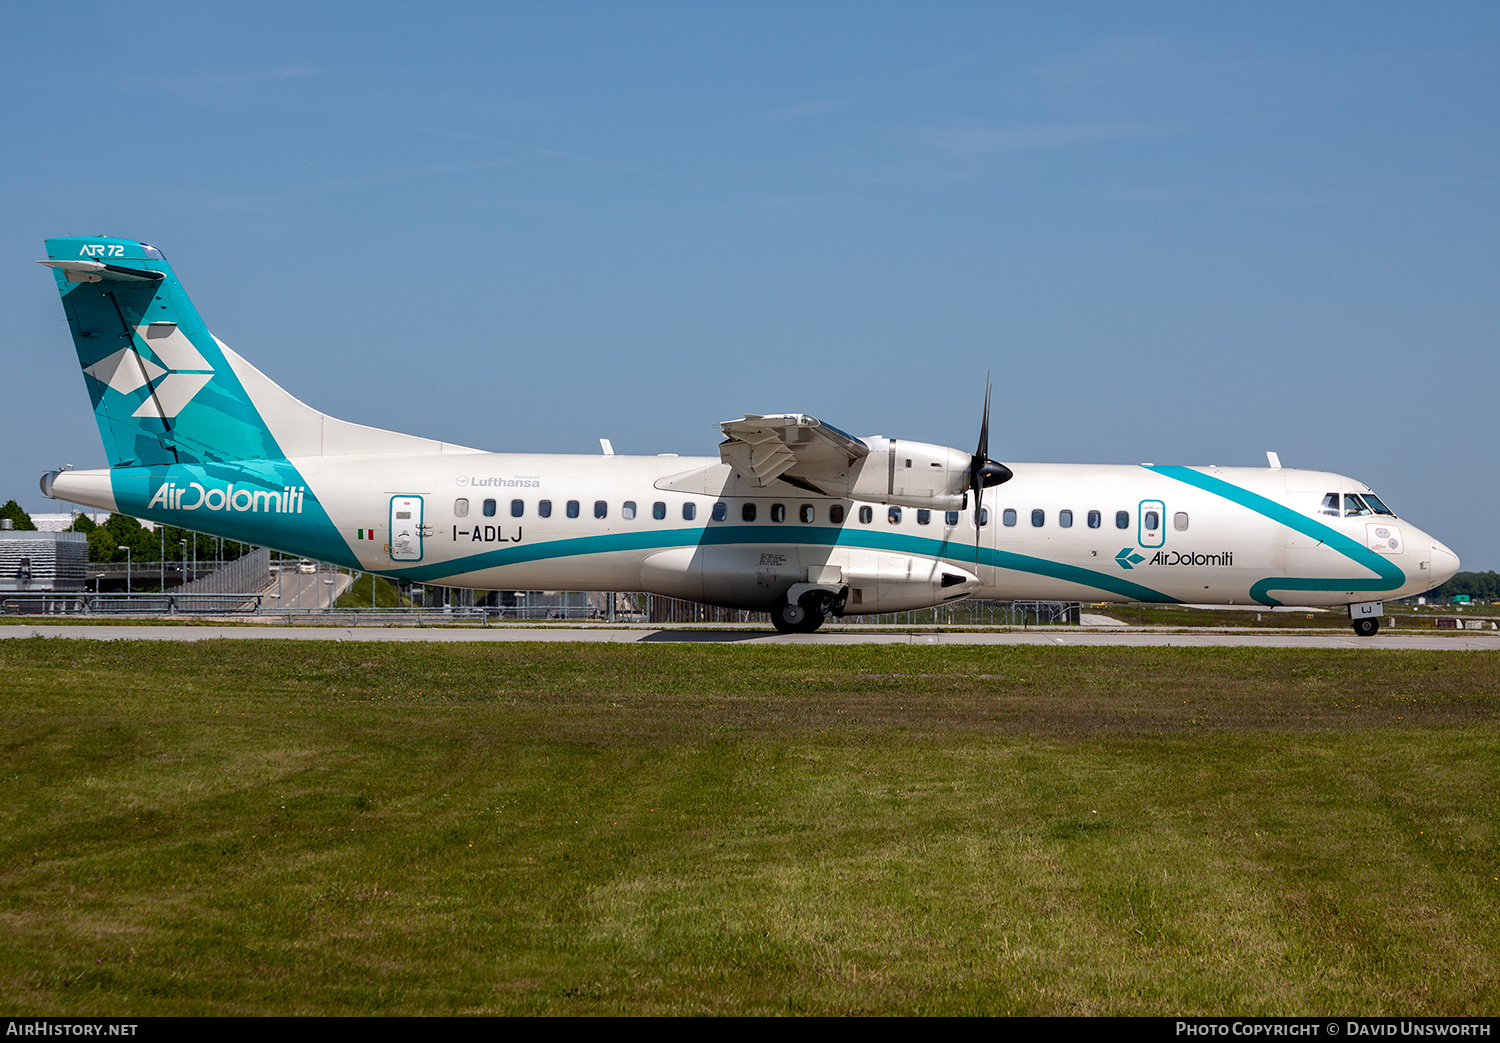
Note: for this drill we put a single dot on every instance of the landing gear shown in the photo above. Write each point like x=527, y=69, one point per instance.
x=800, y=617
x=1366, y=627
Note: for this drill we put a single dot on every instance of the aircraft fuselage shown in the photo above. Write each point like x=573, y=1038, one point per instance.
x=795, y=516
x=1056, y=531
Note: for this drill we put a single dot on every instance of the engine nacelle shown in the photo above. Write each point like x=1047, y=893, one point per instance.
x=912, y=474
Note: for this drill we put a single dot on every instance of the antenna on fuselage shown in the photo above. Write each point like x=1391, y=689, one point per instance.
x=604, y=444
x=1273, y=460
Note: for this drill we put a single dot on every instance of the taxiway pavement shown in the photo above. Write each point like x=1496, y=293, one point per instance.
x=1455, y=641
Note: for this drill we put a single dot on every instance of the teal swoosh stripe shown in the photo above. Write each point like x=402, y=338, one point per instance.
x=646, y=539
x=1075, y=574
x=662, y=539
x=1391, y=576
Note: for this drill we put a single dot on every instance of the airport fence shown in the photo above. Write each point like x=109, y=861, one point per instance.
x=252, y=586
x=86, y=604
x=250, y=571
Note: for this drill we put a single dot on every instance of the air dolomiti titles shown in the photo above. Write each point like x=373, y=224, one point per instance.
x=227, y=498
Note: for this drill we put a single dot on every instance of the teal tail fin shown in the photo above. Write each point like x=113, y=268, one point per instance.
x=162, y=389
x=166, y=391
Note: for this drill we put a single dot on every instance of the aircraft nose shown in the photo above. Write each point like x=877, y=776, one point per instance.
x=1444, y=564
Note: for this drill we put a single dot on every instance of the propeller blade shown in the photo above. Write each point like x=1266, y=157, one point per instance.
x=977, y=467
x=984, y=428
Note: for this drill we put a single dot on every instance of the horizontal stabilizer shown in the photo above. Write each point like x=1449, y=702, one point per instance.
x=97, y=271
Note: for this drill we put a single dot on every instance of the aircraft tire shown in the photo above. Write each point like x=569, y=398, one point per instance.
x=1366, y=627
x=802, y=617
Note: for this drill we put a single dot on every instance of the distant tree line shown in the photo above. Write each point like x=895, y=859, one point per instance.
x=105, y=540
x=1485, y=585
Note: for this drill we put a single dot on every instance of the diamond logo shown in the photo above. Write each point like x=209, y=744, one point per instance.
x=125, y=371
x=173, y=387
x=1128, y=559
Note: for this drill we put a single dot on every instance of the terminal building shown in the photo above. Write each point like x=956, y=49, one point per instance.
x=42, y=562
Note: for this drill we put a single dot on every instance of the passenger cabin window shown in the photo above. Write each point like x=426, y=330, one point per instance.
x=720, y=511
x=1330, y=504
x=924, y=517
x=807, y=513
x=778, y=512
x=658, y=510
x=544, y=508
x=517, y=508
x=866, y=515
x=1122, y=519
x=1065, y=519
x=627, y=510
x=1180, y=521
x=983, y=516
x=572, y=508
x=1008, y=517
x=1038, y=518
x=1095, y=519
x=489, y=508
x=601, y=509
x=689, y=511
x=1152, y=521
x=747, y=512
x=893, y=515
x=836, y=514
x=460, y=508
x=950, y=519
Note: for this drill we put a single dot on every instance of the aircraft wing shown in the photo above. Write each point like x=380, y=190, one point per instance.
x=793, y=447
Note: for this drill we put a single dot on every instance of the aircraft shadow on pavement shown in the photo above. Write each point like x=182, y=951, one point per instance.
x=714, y=636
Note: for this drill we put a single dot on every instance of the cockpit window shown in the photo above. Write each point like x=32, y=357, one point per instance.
x=1379, y=508
x=1330, y=505
x=1354, y=506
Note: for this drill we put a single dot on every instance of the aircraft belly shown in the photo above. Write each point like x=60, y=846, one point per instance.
x=754, y=576
x=591, y=572
x=748, y=576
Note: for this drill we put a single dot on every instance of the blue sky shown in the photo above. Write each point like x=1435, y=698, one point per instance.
x=1176, y=233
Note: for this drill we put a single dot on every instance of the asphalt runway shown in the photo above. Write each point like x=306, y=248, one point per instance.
x=1443, y=641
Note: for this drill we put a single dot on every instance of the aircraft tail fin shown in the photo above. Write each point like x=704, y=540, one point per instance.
x=164, y=389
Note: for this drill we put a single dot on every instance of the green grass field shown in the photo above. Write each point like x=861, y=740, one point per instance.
x=385, y=595
x=286, y=827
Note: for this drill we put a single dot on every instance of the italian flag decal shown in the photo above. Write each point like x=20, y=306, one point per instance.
x=367, y=534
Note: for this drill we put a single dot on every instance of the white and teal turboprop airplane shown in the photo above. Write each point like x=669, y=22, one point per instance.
x=795, y=517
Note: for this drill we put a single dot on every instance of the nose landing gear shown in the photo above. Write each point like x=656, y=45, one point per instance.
x=1365, y=616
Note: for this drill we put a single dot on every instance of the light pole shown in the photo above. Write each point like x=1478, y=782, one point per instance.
x=127, y=568
x=184, y=564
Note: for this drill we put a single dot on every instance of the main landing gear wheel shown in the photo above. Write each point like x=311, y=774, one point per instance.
x=799, y=617
x=1366, y=627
